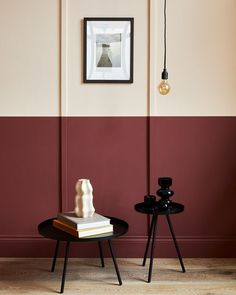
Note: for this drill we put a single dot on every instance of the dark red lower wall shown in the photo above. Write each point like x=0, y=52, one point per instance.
x=42, y=158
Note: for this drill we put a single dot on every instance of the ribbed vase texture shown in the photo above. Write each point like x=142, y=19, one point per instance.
x=84, y=198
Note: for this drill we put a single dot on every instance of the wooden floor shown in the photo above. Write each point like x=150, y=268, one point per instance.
x=86, y=276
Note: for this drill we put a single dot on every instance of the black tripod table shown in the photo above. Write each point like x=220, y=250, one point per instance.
x=155, y=211
x=47, y=230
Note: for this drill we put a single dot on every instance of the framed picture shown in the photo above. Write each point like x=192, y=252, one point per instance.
x=108, y=50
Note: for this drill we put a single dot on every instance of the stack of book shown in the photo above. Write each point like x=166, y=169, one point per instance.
x=83, y=227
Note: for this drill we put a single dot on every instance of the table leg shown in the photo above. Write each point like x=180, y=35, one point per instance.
x=148, y=241
x=55, y=256
x=65, y=266
x=175, y=242
x=101, y=253
x=115, y=264
x=153, y=247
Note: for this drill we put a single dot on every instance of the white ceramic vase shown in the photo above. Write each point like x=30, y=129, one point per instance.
x=84, y=198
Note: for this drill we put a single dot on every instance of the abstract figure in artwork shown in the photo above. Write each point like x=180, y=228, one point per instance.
x=84, y=198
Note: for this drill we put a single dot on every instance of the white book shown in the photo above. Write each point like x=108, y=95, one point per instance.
x=79, y=223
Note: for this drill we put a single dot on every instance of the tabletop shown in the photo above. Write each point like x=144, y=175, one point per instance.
x=151, y=209
x=47, y=230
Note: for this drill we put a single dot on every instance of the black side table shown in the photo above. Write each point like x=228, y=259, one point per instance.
x=154, y=210
x=47, y=230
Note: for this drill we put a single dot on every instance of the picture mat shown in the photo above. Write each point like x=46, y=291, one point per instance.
x=107, y=29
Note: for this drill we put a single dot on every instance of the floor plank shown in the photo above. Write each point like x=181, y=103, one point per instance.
x=86, y=276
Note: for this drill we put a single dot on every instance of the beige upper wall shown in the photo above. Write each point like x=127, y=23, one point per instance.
x=201, y=59
x=29, y=58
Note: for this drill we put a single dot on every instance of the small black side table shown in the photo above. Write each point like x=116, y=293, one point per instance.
x=47, y=230
x=154, y=210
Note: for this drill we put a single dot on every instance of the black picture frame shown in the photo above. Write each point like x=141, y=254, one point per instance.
x=108, y=50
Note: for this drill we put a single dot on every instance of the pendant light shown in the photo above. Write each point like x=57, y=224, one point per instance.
x=164, y=87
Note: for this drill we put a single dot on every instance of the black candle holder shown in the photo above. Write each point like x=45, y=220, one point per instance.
x=150, y=200
x=164, y=192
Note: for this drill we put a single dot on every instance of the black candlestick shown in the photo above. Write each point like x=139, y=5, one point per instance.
x=164, y=192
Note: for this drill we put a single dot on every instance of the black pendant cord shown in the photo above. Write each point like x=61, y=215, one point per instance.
x=164, y=74
x=164, y=34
